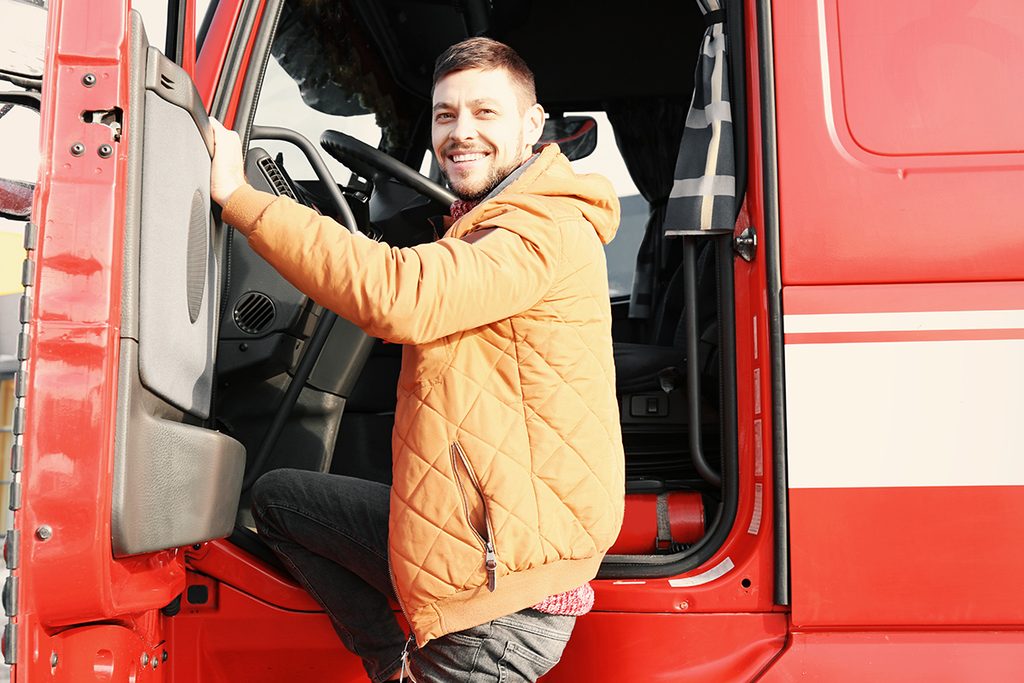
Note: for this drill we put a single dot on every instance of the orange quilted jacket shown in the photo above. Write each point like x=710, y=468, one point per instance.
x=507, y=455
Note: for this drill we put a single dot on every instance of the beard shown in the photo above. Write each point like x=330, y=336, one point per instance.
x=471, y=193
x=492, y=180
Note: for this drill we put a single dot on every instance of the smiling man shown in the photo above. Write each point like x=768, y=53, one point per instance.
x=485, y=120
x=507, y=456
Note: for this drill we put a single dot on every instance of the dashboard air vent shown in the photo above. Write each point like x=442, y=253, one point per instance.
x=254, y=312
x=273, y=174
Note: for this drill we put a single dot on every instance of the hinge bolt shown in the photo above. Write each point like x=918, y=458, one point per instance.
x=145, y=659
x=77, y=149
x=105, y=151
x=53, y=660
x=44, y=533
x=89, y=80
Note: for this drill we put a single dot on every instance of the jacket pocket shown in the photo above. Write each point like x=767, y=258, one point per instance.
x=474, y=506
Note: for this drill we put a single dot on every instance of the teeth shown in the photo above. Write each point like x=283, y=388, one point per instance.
x=467, y=157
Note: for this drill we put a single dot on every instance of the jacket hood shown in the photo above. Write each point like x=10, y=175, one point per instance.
x=547, y=175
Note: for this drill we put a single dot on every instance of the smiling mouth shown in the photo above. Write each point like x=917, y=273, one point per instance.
x=464, y=157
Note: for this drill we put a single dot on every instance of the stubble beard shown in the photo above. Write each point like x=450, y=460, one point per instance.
x=494, y=178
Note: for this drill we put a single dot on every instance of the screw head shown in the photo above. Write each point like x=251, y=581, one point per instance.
x=53, y=660
x=145, y=659
x=89, y=80
x=44, y=533
x=105, y=151
x=77, y=149
x=164, y=656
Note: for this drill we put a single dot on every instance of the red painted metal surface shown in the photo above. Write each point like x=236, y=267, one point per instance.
x=900, y=657
x=98, y=652
x=246, y=639
x=214, y=51
x=912, y=556
x=68, y=576
x=73, y=356
x=875, y=187
x=235, y=567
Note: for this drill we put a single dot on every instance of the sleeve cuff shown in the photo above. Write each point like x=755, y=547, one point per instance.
x=244, y=207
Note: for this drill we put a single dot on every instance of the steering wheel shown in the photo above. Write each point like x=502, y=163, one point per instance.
x=374, y=164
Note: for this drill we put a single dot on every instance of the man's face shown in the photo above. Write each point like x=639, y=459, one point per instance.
x=481, y=130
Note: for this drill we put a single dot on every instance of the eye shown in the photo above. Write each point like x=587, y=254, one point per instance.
x=443, y=116
x=487, y=112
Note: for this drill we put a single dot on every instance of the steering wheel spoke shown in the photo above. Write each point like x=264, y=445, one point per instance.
x=372, y=163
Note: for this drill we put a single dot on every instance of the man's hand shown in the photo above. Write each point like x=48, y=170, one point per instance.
x=226, y=171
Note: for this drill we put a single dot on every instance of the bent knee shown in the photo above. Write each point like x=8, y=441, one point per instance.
x=275, y=487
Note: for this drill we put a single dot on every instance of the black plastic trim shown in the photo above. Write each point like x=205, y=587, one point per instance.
x=174, y=37
x=736, y=43
x=310, y=355
x=22, y=98
x=769, y=161
x=252, y=85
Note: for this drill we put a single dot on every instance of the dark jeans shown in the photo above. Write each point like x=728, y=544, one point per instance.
x=332, y=534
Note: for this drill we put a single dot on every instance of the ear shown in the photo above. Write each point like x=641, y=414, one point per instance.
x=533, y=124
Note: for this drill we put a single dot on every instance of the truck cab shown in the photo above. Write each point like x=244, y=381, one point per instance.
x=818, y=321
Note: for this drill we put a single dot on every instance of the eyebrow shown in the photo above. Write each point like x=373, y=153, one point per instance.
x=477, y=102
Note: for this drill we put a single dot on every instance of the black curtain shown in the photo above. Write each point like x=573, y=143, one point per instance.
x=648, y=133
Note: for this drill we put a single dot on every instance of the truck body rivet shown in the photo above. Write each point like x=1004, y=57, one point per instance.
x=53, y=660
x=77, y=149
x=145, y=659
x=89, y=80
x=105, y=151
x=44, y=533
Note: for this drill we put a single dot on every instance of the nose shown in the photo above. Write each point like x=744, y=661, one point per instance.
x=464, y=128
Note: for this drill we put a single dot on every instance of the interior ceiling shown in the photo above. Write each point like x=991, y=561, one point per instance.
x=580, y=53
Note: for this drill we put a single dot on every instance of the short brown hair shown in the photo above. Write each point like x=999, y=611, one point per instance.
x=485, y=53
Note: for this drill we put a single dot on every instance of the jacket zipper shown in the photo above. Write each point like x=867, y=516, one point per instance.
x=490, y=556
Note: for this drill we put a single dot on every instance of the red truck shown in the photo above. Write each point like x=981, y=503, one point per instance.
x=820, y=401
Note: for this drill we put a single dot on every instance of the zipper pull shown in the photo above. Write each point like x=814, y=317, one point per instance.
x=491, y=562
x=405, y=661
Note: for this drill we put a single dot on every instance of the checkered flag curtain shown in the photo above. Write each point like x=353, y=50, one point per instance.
x=703, y=195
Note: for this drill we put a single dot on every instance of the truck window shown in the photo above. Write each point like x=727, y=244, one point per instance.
x=621, y=252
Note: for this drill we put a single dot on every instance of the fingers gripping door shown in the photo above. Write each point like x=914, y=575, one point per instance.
x=175, y=483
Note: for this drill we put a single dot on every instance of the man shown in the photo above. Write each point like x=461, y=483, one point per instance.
x=507, y=455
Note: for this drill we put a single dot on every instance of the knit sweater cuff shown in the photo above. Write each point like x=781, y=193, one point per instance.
x=574, y=603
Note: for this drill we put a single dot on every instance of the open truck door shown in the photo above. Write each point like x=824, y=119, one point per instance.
x=117, y=353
